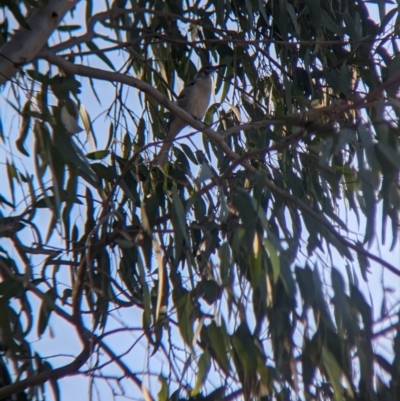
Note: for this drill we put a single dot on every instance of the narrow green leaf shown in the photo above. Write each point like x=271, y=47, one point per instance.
x=203, y=367
x=180, y=213
x=7, y=333
x=342, y=309
x=93, y=87
x=293, y=17
x=71, y=199
x=45, y=310
x=334, y=373
x=98, y=154
x=304, y=278
x=71, y=153
x=127, y=146
x=146, y=294
x=87, y=123
x=274, y=258
x=185, y=310
x=244, y=348
x=320, y=301
x=218, y=339
x=242, y=202
x=25, y=126
x=328, y=22
x=286, y=276
x=92, y=46
x=37, y=76
x=163, y=393
x=261, y=9
x=225, y=263
x=188, y=153
x=12, y=175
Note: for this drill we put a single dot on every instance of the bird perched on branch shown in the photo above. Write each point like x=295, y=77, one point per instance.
x=194, y=99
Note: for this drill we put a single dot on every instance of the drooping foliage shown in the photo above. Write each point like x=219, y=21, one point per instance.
x=242, y=269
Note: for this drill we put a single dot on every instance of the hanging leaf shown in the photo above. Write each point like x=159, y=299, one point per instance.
x=45, y=311
x=203, y=369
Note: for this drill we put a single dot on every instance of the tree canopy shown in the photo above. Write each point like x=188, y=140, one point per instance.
x=261, y=261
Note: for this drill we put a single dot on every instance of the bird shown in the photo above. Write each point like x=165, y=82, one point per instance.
x=70, y=116
x=194, y=99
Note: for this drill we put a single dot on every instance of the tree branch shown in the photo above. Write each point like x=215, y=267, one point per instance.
x=88, y=338
x=47, y=375
x=25, y=44
x=219, y=139
x=54, y=374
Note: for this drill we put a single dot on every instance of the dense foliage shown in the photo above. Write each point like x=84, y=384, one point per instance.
x=240, y=270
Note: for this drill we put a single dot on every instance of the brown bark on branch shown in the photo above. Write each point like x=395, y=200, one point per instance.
x=25, y=44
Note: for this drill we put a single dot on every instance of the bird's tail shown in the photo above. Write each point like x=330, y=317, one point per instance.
x=173, y=129
x=162, y=155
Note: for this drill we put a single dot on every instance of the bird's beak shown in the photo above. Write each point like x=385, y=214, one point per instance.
x=216, y=67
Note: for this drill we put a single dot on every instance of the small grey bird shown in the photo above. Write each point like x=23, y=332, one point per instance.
x=194, y=99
